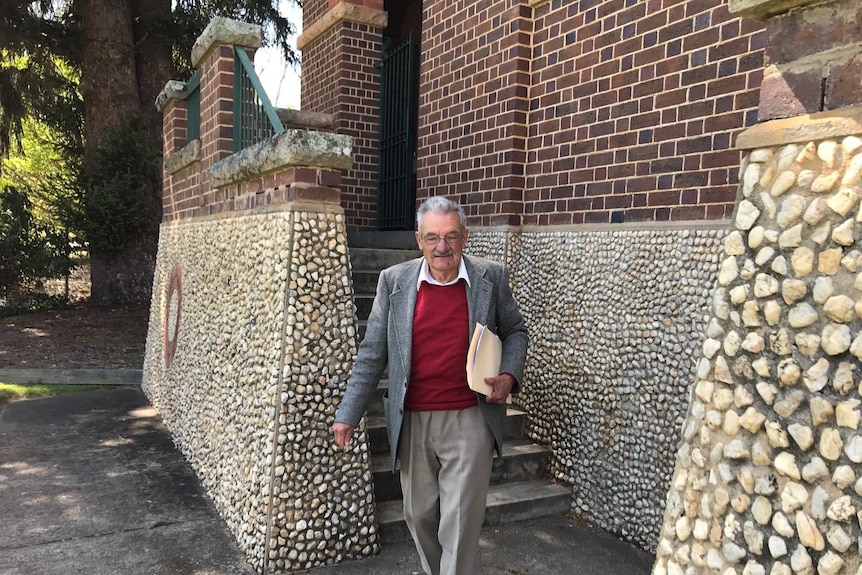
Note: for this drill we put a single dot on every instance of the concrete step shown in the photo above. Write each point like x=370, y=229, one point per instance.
x=397, y=240
x=363, y=303
x=507, y=502
x=522, y=460
x=365, y=281
x=376, y=259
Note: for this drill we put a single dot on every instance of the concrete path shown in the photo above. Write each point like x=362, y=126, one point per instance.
x=90, y=483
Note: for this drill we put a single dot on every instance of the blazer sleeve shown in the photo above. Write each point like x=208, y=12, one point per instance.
x=512, y=331
x=371, y=359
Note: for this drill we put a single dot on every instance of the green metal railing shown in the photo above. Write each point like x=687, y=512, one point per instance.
x=254, y=118
x=193, y=107
x=396, y=178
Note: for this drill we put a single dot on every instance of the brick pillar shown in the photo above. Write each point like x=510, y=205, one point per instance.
x=340, y=52
x=473, y=106
x=813, y=58
x=172, y=103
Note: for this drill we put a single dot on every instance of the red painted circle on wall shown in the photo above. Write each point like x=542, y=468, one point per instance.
x=173, y=312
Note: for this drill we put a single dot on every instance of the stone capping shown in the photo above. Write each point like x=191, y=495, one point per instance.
x=293, y=148
x=173, y=90
x=622, y=227
x=339, y=12
x=302, y=119
x=188, y=155
x=288, y=206
x=762, y=10
x=537, y=3
x=225, y=31
x=820, y=126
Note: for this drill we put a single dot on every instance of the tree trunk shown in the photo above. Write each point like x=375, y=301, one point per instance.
x=124, y=67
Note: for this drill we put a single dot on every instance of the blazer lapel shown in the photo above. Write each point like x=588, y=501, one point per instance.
x=478, y=295
x=402, y=302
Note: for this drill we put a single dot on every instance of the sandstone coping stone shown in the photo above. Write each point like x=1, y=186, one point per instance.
x=811, y=127
x=188, y=155
x=762, y=10
x=303, y=119
x=173, y=90
x=226, y=31
x=292, y=148
x=339, y=12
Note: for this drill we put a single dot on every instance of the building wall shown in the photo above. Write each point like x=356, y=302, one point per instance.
x=586, y=112
x=340, y=77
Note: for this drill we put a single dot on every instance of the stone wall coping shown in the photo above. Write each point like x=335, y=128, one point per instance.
x=289, y=206
x=292, y=148
x=173, y=90
x=762, y=10
x=339, y=12
x=303, y=119
x=188, y=155
x=622, y=227
x=807, y=128
x=537, y=3
x=225, y=31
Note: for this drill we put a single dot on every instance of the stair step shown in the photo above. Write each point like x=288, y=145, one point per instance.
x=506, y=503
x=379, y=258
x=522, y=460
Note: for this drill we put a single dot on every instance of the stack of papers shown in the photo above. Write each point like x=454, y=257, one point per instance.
x=483, y=359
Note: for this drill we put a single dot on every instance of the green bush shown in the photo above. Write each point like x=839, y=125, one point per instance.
x=29, y=251
x=121, y=187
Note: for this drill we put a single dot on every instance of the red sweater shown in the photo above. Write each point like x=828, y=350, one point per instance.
x=438, y=378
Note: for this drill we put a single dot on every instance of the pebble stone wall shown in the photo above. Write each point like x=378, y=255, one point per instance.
x=767, y=477
x=264, y=346
x=616, y=321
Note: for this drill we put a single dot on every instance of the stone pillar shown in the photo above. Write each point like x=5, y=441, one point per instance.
x=767, y=479
x=252, y=327
x=340, y=47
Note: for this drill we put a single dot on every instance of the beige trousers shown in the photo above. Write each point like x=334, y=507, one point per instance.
x=446, y=459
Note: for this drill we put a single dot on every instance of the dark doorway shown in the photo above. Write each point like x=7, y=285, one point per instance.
x=399, y=111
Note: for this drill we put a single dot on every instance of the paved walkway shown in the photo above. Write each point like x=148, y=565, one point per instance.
x=90, y=483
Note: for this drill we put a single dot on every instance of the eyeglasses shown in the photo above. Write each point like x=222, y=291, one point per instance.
x=432, y=240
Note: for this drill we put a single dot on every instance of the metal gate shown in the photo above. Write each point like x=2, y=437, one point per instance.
x=396, y=177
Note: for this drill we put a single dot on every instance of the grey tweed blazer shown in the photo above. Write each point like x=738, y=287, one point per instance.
x=389, y=336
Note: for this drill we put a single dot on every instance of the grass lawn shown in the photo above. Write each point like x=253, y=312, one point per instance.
x=10, y=392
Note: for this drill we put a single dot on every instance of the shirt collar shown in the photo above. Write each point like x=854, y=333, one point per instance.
x=425, y=275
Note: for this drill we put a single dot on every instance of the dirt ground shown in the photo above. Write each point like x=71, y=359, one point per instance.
x=82, y=337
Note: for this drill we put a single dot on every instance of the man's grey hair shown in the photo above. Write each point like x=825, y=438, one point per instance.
x=440, y=205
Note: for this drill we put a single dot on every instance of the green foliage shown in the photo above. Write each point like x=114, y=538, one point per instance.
x=121, y=187
x=11, y=392
x=28, y=250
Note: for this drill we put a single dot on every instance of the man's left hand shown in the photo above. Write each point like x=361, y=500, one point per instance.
x=502, y=385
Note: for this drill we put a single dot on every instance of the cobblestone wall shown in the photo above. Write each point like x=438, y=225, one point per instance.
x=766, y=478
x=616, y=319
x=251, y=337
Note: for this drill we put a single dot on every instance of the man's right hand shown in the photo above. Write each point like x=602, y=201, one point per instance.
x=343, y=434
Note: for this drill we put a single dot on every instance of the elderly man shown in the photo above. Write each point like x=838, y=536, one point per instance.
x=443, y=434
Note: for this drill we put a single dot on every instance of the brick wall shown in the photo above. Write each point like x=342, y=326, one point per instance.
x=340, y=77
x=814, y=60
x=473, y=106
x=588, y=111
x=187, y=189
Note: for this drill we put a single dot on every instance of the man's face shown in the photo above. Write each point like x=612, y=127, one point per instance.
x=442, y=240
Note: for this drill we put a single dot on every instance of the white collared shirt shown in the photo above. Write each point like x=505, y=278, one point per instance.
x=425, y=275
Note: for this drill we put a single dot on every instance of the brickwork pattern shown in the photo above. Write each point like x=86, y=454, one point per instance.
x=473, y=91
x=340, y=77
x=814, y=60
x=631, y=109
